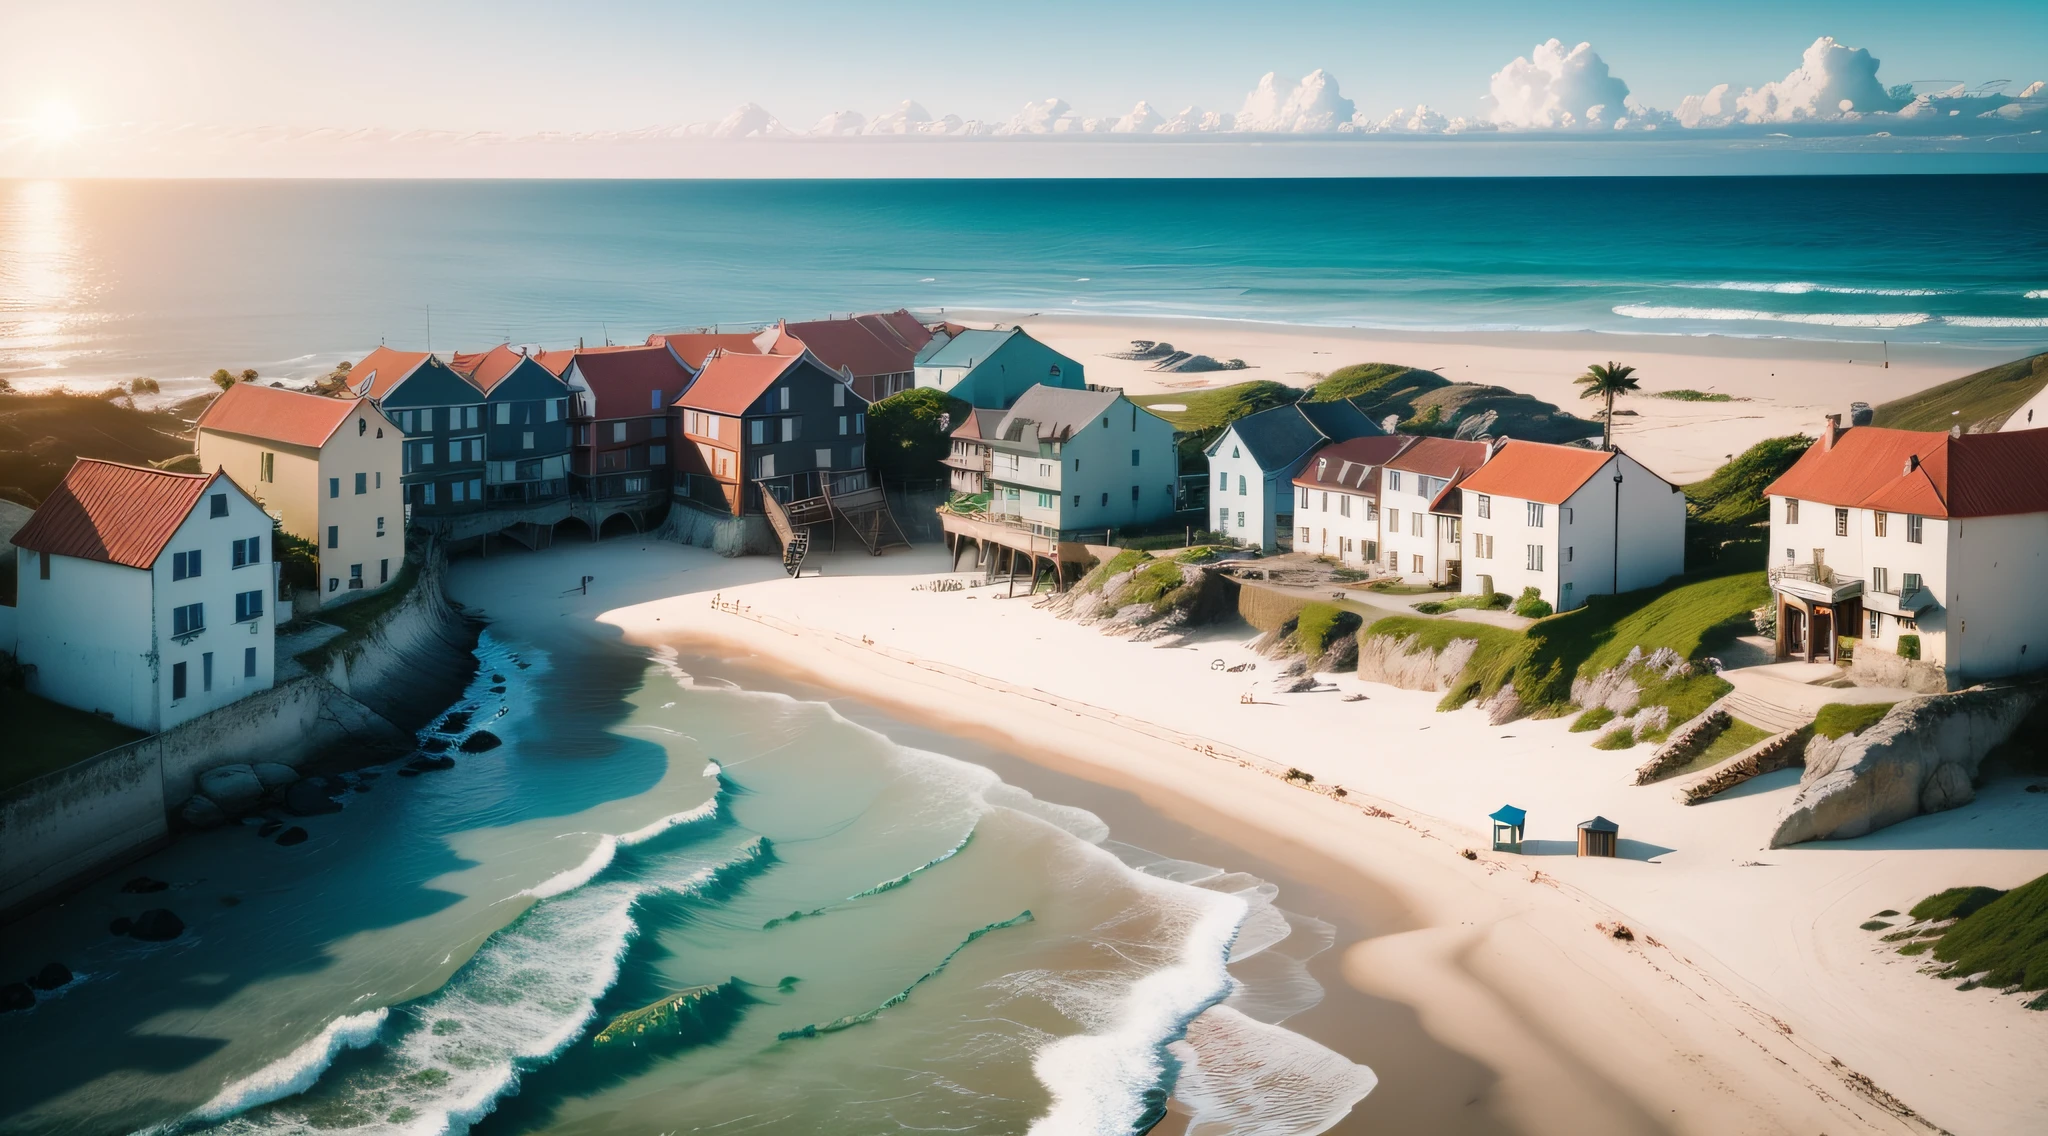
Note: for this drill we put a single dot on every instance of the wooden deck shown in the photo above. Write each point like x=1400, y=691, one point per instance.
x=1000, y=546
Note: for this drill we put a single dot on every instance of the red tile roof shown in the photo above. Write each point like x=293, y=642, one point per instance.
x=291, y=417
x=1536, y=471
x=878, y=343
x=731, y=381
x=1353, y=464
x=622, y=379
x=119, y=514
x=692, y=347
x=976, y=424
x=1448, y=458
x=557, y=361
x=487, y=368
x=383, y=369
x=1975, y=475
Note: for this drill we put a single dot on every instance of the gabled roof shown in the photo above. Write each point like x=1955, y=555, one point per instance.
x=1338, y=420
x=968, y=347
x=1537, y=471
x=1053, y=414
x=693, y=347
x=732, y=381
x=293, y=418
x=1934, y=475
x=557, y=361
x=489, y=368
x=878, y=343
x=978, y=424
x=383, y=369
x=1448, y=458
x=118, y=514
x=1352, y=465
x=622, y=380
x=1277, y=437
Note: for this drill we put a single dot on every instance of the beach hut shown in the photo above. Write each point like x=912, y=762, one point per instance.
x=1507, y=828
x=1598, y=837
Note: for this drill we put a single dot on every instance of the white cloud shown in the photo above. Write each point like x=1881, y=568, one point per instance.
x=1195, y=120
x=1552, y=88
x=1421, y=120
x=839, y=122
x=1142, y=120
x=1833, y=81
x=909, y=118
x=1312, y=106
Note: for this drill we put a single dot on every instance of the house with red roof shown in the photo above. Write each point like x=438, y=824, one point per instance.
x=1927, y=547
x=775, y=422
x=146, y=595
x=328, y=470
x=1337, y=499
x=875, y=353
x=441, y=413
x=525, y=424
x=619, y=412
x=1421, y=518
x=1569, y=522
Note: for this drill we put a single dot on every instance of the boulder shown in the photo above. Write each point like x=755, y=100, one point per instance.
x=52, y=976
x=312, y=797
x=269, y=829
x=1920, y=757
x=274, y=775
x=455, y=722
x=480, y=741
x=157, y=925
x=291, y=836
x=436, y=745
x=16, y=996
x=120, y=925
x=200, y=812
x=143, y=885
x=233, y=787
x=1505, y=706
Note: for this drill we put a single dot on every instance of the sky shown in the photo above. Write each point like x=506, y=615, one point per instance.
x=93, y=86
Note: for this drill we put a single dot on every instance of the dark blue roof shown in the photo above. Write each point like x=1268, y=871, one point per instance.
x=1280, y=436
x=1599, y=824
x=1509, y=814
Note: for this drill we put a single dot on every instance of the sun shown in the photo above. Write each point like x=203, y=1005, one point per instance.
x=54, y=122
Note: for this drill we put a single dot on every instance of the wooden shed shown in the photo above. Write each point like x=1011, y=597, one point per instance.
x=1598, y=837
x=1507, y=828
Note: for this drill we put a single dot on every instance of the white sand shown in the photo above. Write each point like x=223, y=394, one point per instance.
x=1743, y=989
x=1787, y=384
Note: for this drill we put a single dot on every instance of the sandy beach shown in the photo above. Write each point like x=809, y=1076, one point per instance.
x=1747, y=999
x=1780, y=386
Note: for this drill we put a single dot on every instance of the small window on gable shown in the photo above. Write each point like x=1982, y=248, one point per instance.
x=1233, y=449
x=654, y=399
x=220, y=504
x=1054, y=371
x=362, y=426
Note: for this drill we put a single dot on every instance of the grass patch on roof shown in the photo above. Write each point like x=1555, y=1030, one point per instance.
x=1851, y=718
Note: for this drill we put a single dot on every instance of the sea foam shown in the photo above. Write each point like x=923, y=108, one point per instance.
x=289, y=1075
x=597, y=861
x=1826, y=319
x=1247, y=1078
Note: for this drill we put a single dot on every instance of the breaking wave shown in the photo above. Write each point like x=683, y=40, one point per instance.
x=1826, y=319
x=1801, y=288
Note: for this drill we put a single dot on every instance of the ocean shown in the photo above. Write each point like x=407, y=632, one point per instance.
x=103, y=281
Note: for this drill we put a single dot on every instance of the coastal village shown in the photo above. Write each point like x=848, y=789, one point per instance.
x=195, y=631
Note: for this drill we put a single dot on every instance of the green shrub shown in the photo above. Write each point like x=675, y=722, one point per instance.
x=1592, y=719
x=1152, y=583
x=1851, y=718
x=1909, y=646
x=1622, y=738
x=1684, y=394
x=2008, y=937
x=1532, y=605
x=1874, y=925
x=1317, y=624
x=1955, y=903
x=906, y=441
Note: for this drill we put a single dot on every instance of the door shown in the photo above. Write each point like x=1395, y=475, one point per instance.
x=1823, y=650
x=1795, y=631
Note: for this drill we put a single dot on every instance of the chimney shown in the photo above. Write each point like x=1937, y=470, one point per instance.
x=1833, y=431
x=1956, y=431
x=1912, y=463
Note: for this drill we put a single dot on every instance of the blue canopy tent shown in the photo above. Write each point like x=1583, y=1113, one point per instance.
x=1507, y=828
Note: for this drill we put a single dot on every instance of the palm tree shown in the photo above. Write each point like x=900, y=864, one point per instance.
x=1607, y=381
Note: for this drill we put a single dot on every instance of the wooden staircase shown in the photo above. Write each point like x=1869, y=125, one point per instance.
x=851, y=499
x=796, y=542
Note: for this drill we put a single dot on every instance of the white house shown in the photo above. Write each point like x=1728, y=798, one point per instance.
x=1337, y=499
x=1070, y=461
x=327, y=468
x=1569, y=522
x=144, y=595
x=1915, y=543
x=1252, y=466
x=1421, y=523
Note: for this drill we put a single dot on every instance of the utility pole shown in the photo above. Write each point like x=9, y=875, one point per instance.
x=1615, y=587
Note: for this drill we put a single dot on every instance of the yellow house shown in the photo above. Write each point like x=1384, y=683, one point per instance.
x=325, y=468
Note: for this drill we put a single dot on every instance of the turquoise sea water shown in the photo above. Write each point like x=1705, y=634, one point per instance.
x=172, y=279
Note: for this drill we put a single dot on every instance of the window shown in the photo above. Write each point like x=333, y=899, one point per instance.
x=429, y=493
x=1535, y=517
x=184, y=564
x=860, y=423
x=658, y=455
x=782, y=398
x=526, y=440
x=1344, y=505
x=333, y=487
x=380, y=479
x=248, y=606
x=1240, y=485
x=427, y=420
x=839, y=396
x=219, y=505
x=1233, y=449
x=1044, y=499
x=766, y=465
x=426, y=453
x=476, y=449
x=657, y=427
x=405, y=421
x=355, y=575
x=1415, y=523
x=504, y=414
x=383, y=571
x=177, y=681
x=1841, y=522
x=189, y=619
x=1077, y=500
x=1909, y=582
x=1222, y=518
x=334, y=533
x=554, y=408
x=757, y=431
x=1393, y=562
x=1134, y=457
x=1485, y=506
x=455, y=450
x=1240, y=518
x=824, y=458
x=380, y=526
x=1304, y=535
x=1535, y=558
x=1483, y=546
x=1913, y=528
x=1394, y=480
x=1301, y=497
x=206, y=670
x=247, y=552
x=1882, y=521
x=1875, y=624
x=618, y=431
x=1880, y=579
x=1134, y=493
x=1325, y=503
x=362, y=484
x=266, y=467
x=469, y=417
x=1222, y=479
x=459, y=495
x=1417, y=558
x=1394, y=521
x=43, y=560
x=248, y=662
x=789, y=429
x=1791, y=510
x=842, y=423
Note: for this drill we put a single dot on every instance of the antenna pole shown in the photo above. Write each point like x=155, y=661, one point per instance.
x=430, y=329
